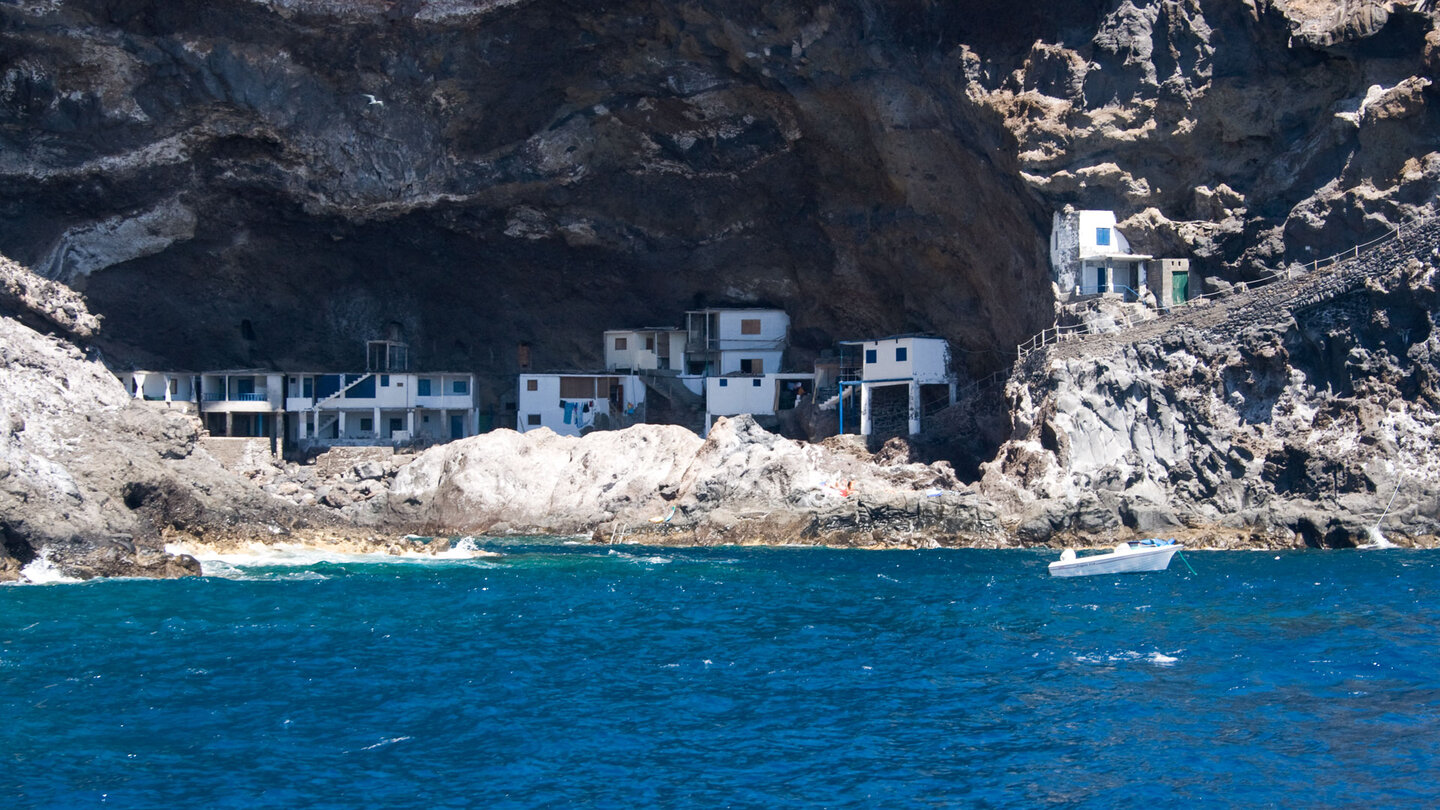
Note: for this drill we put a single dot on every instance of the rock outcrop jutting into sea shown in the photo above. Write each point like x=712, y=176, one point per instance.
x=1301, y=412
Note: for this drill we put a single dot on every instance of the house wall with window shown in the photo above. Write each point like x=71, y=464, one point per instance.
x=922, y=359
x=736, y=341
x=175, y=388
x=571, y=404
x=756, y=395
x=379, y=407
x=1089, y=255
x=901, y=380
x=730, y=396
x=644, y=349
x=242, y=391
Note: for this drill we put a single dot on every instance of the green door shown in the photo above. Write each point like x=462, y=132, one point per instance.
x=1179, y=288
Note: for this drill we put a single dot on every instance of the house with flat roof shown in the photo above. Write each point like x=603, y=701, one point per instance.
x=242, y=403
x=375, y=407
x=647, y=349
x=1090, y=256
x=575, y=403
x=177, y=390
x=385, y=404
x=760, y=395
x=902, y=380
x=388, y=403
x=729, y=341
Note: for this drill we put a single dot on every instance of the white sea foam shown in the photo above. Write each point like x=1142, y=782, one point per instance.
x=281, y=555
x=1157, y=658
x=654, y=559
x=40, y=571
x=1377, y=540
x=383, y=743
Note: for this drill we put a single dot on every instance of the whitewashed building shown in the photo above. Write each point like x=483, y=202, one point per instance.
x=173, y=389
x=375, y=407
x=248, y=403
x=1090, y=256
x=652, y=348
x=386, y=404
x=757, y=395
x=902, y=379
x=573, y=403
x=731, y=341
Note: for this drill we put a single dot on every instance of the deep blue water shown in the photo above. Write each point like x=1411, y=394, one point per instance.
x=576, y=676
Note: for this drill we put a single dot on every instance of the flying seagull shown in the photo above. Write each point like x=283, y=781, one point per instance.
x=373, y=100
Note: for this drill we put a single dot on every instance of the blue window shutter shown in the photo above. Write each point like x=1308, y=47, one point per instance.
x=422, y=387
x=869, y=356
x=900, y=354
x=724, y=383
x=755, y=383
x=1102, y=236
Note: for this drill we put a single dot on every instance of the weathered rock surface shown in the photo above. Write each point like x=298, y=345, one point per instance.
x=257, y=183
x=1301, y=412
x=90, y=480
x=264, y=183
x=662, y=484
x=1246, y=136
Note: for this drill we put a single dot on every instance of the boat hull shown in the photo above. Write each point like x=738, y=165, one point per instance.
x=1129, y=562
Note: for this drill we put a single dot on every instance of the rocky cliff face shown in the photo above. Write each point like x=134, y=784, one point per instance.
x=1303, y=412
x=266, y=182
x=91, y=482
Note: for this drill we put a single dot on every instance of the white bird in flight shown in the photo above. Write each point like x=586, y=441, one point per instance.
x=373, y=100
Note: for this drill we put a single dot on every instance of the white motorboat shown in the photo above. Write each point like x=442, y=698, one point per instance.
x=1127, y=558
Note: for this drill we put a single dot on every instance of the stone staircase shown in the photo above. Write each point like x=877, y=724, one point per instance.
x=680, y=406
x=1278, y=296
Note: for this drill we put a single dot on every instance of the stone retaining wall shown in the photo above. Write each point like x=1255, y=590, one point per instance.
x=239, y=454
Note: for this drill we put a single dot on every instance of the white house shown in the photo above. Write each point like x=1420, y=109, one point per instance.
x=902, y=379
x=377, y=407
x=174, y=389
x=730, y=341
x=1089, y=255
x=572, y=403
x=242, y=403
x=762, y=395
x=385, y=404
x=651, y=348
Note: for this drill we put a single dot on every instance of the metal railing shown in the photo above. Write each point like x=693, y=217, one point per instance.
x=1054, y=334
x=1109, y=288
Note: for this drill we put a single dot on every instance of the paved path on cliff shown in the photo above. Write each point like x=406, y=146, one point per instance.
x=1272, y=303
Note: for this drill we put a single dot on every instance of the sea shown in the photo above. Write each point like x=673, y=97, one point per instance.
x=563, y=674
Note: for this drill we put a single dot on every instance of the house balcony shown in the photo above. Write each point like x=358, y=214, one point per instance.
x=448, y=402
x=258, y=402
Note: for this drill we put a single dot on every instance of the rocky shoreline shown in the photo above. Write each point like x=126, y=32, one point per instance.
x=1293, y=416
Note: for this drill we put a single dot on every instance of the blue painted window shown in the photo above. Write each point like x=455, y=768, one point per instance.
x=422, y=387
x=1102, y=236
x=900, y=354
x=460, y=387
x=724, y=383
x=384, y=380
x=869, y=357
x=755, y=383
